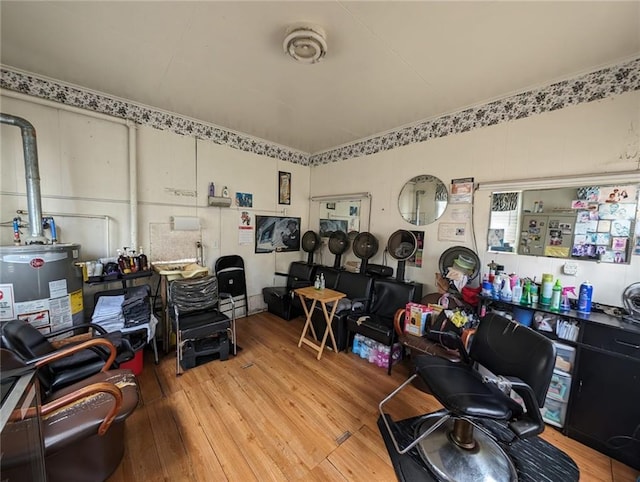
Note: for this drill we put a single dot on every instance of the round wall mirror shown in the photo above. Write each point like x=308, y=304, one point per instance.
x=423, y=200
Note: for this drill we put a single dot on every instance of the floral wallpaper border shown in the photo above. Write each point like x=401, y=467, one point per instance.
x=597, y=85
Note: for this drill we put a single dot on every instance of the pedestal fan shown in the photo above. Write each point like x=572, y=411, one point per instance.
x=365, y=246
x=631, y=302
x=338, y=244
x=401, y=246
x=310, y=244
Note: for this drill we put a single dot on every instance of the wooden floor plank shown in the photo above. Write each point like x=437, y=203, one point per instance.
x=274, y=412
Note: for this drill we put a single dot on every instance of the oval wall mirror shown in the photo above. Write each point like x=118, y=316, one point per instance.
x=422, y=200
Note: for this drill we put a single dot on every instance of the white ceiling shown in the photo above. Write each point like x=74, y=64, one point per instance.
x=388, y=63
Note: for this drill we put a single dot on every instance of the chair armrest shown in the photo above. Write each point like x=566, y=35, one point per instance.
x=531, y=422
x=399, y=321
x=286, y=275
x=450, y=340
x=61, y=331
x=79, y=395
x=65, y=352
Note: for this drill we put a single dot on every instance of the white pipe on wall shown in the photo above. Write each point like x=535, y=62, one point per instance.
x=132, y=140
x=133, y=184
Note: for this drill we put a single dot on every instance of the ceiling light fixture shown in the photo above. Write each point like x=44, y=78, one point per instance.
x=305, y=43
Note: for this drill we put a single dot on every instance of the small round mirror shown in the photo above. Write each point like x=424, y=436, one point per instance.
x=423, y=200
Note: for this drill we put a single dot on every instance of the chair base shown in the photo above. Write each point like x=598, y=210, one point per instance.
x=451, y=462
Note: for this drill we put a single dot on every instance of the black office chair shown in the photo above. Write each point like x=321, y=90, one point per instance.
x=200, y=328
x=453, y=443
x=232, y=280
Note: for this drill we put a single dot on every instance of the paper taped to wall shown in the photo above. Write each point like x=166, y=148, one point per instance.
x=185, y=223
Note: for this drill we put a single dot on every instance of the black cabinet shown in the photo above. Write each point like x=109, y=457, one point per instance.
x=605, y=402
x=603, y=409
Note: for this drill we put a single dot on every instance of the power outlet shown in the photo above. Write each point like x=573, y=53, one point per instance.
x=570, y=268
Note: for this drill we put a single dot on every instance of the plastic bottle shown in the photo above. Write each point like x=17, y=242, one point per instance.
x=584, y=297
x=497, y=287
x=547, y=289
x=123, y=262
x=526, y=294
x=565, y=303
x=357, y=343
x=517, y=292
x=212, y=190
x=316, y=283
x=225, y=192
x=506, y=293
x=144, y=261
x=556, y=296
x=322, y=283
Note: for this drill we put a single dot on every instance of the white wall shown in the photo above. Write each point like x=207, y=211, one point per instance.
x=594, y=137
x=84, y=170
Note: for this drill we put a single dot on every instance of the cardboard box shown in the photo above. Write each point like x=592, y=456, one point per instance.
x=417, y=317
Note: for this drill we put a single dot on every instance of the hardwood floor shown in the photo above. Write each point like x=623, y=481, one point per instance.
x=274, y=412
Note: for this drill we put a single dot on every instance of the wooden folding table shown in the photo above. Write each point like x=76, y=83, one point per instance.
x=323, y=296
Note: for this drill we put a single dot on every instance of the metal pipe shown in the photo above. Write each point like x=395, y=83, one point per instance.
x=34, y=200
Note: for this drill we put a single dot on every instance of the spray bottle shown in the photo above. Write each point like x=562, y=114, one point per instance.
x=565, y=304
x=556, y=296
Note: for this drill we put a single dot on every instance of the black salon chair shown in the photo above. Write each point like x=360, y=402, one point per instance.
x=30, y=345
x=453, y=443
x=358, y=288
x=280, y=300
x=201, y=329
x=376, y=323
x=232, y=280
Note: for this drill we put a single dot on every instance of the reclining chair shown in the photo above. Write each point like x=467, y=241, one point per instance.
x=358, y=288
x=280, y=300
x=30, y=345
x=453, y=443
x=377, y=323
x=201, y=329
x=82, y=425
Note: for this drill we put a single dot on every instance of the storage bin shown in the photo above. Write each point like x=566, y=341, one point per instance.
x=554, y=412
x=135, y=364
x=560, y=386
x=565, y=357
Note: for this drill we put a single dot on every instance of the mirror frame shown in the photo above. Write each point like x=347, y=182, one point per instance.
x=407, y=198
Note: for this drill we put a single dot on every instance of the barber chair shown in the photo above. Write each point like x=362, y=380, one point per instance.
x=82, y=425
x=376, y=323
x=504, y=356
x=30, y=345
x=280, y=300
x=201, y=329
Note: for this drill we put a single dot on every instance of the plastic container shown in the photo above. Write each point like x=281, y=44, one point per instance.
x=565, y=357
x=560, y=386
x=136, y=364
x=547, y=289
x=357, y=343
x=523, y=316
x=554, y=412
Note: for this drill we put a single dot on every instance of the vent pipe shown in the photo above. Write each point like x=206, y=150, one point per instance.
x=32, y=172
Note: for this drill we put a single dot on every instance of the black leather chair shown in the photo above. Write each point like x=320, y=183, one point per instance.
x=453, y=443
x=359, y=289
x=30, y=345
x=377, y=323
x=201, y=329
x=82, y=425
x=232, y=280
x=280, y=300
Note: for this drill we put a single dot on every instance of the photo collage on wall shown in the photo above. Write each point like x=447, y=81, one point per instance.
x=605, y=219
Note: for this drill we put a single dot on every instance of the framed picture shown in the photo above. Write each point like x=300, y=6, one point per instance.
x=244, y=199
x=284, y=187
x=277, y=233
